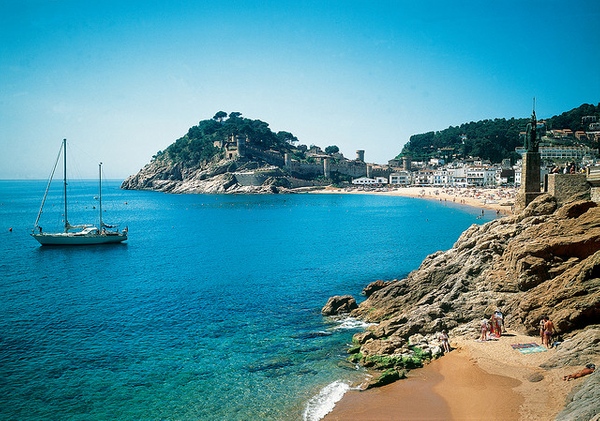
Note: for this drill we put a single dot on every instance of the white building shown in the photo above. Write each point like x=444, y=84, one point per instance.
x=423, y=178
x=458, y=177
x=441, y=178
x=575, y=153
x=401, y=178
x=364, y=181
x=481, y=176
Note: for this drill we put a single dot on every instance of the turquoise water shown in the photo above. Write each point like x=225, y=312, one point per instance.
x=211, y=310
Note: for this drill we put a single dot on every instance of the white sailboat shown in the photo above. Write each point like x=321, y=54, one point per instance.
x=77, y=234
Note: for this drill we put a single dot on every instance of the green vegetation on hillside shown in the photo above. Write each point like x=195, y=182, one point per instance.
x=489, y=139
x=198, y=144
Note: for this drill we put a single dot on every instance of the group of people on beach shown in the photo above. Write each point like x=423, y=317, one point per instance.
x=492, y=328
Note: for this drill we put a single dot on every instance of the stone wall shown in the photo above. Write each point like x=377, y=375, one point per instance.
x=593, y=177
x=566, y=187
x=250, y=178
x=595, y=194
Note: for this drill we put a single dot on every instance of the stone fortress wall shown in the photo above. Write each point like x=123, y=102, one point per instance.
x=566, y=186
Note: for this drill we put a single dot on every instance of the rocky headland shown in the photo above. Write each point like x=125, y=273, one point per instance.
x=223, y=176
x=544, y=261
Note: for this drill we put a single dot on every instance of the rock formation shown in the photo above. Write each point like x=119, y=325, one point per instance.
x=220, y=176
x=544, y=261
x=339, y=305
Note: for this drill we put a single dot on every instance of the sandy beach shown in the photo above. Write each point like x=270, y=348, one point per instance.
x=498, y=199
x=476, y=381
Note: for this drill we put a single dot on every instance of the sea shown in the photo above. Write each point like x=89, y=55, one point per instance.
x=212, y=308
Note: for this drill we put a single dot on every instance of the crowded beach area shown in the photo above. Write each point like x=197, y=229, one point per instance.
x=499, y=199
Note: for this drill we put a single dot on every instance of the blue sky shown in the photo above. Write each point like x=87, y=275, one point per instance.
x=122, y=80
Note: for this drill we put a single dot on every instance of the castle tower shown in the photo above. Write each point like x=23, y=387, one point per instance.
x=241, y=145
x=360, y=155
x=327, y=168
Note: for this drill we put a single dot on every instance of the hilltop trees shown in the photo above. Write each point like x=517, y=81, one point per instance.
x=573, y=119
x=331, y=149
x=488, y=139
x=197, y=145
x=287, y=137
x=220, y=116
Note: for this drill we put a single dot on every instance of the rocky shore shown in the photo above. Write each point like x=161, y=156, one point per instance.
x=223, y=176
x=544, y=261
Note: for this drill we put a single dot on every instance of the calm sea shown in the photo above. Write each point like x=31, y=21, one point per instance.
x=211, y=310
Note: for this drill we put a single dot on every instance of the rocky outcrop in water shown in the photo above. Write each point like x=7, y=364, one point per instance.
x=220, y=177
x=544, y=261
x=339, y=305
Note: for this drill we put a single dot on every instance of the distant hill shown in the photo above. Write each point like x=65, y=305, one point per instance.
x=489, y=139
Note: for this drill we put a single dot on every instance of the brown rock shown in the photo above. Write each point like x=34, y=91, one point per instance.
x=542, y=261
x=375, y=286
x=535, y=377
x=339, y=304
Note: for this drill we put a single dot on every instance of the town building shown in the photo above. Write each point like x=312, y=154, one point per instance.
x=400, y=178
x=567, y=153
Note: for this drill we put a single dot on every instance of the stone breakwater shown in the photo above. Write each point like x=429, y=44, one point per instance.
x=544, y=261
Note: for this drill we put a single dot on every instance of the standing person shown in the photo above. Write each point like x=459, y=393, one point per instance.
x=548, y=332
x=494, y=326
x=499, y=319
x=542, y=323
x=484, y=330
x=445, y=340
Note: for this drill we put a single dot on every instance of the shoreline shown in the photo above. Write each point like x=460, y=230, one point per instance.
x=500, y=199
x=475, y=381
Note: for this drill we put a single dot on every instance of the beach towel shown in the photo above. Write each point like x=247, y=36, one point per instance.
x=528, y=348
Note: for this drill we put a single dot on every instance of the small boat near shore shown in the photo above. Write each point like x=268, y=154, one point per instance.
x=86, y=234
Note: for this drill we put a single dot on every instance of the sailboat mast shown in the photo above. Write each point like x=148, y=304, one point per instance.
x=100, y=193
x=65, y=182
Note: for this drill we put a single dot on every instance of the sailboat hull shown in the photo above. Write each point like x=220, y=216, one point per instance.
x=78, y=239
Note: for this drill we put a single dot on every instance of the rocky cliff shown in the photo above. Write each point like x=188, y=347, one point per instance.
x=544, y=261
x=217, y=176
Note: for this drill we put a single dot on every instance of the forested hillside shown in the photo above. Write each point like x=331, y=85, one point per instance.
x=198, y=144
x=489, y=139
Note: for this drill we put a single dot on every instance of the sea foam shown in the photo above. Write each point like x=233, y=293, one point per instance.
x=323, y=403
x=351, y=323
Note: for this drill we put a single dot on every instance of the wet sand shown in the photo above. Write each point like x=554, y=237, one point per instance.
x=451, y=388
x=476, y=381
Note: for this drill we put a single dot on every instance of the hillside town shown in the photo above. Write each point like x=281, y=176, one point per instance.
x=561, y=151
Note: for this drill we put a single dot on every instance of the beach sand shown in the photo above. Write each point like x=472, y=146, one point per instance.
x=476, y=381
x=498, y=199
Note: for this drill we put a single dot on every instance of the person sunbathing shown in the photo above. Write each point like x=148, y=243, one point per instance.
x=589, y=369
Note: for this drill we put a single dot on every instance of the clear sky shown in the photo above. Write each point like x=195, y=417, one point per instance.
x=122, y=80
